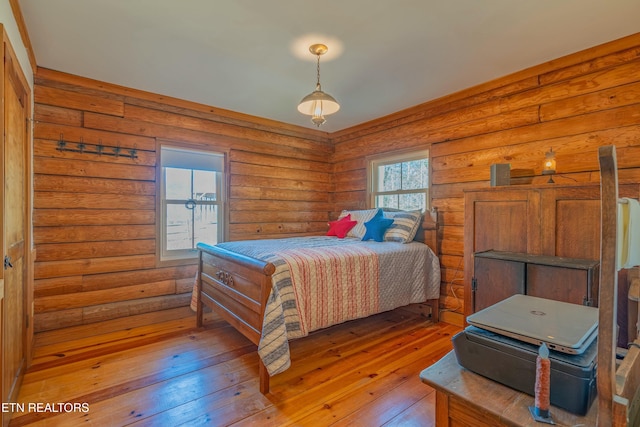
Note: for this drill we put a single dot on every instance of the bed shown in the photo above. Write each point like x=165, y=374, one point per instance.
x=275, y=290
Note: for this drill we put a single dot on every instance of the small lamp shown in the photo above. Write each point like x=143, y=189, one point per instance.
x=549, y=166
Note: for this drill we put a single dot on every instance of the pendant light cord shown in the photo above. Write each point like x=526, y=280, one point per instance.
x=318, y=73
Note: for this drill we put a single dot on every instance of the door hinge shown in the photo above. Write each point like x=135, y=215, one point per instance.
x=474, y=284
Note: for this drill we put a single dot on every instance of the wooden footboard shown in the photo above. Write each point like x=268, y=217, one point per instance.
x=236, y=287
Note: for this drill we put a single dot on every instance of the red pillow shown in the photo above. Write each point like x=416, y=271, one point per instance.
x=341, y=227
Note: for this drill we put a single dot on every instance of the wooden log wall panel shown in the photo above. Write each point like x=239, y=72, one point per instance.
x=81, y=217
x=51, y=78
x=188, y=109
x=58, y=115
x=243, y=133
x=278, y=172
x=309, y=179
x=66, y=251
x=78, y=101
x=52, y=320
x=244, y=157
x=57, y=319
x=93, y=185
x=279, y=183
x=44, y=269
x=259, y=193
x=618, y=96
x=458, y=101
x=221, y=142
x=586, y=128
x=71, y=284
x=106, y=281
x=258, y=217
x=60, y=200
x=268, y=205
x=57, y=285
x=317, y=228
x=426, y=132
x=94, y=168
x=123, y=293
x=185, y=285
x=95, y=215
x=527, y=155
x=104, y=312
x=573, y=104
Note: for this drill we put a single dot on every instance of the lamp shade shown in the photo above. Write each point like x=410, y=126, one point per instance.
x=318, y=103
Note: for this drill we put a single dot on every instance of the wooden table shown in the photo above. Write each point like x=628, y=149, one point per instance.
x=466, y=398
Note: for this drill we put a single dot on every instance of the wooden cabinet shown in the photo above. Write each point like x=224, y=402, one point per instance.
x=499, y=274
x=552, y=220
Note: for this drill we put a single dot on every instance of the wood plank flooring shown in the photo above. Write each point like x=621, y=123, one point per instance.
x=361, y=373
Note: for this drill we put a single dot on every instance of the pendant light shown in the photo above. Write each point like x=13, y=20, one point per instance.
x=318, y=103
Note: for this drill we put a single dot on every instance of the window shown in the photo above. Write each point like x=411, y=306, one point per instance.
x=400, y=181
x=192, y=201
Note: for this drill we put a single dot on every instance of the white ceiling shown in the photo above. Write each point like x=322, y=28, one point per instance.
x=252, y=56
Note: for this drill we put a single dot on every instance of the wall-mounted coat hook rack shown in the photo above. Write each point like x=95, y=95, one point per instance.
x=99, y=149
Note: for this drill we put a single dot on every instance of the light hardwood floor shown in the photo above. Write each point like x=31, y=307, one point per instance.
x=361, y=373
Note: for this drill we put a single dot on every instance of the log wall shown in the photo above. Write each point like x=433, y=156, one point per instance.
x=95, y=216
x=573, y=104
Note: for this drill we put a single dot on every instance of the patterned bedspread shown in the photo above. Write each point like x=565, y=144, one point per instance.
x=322, y=281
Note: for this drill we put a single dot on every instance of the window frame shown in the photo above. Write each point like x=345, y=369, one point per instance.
x=373, y=162
x=181, y=257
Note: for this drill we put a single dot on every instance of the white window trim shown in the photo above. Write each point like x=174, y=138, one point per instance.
x=373, y=162
x=186, y=256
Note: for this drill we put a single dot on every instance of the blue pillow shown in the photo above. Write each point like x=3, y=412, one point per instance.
x=376, y=227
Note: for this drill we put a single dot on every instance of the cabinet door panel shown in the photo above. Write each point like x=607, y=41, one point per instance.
x=497, y=280
x=578, y=229
x=501, y=226
x=557, y=283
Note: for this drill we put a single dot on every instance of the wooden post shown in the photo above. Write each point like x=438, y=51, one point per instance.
x=608, y=285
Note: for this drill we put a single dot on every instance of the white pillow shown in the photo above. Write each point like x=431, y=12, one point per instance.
x=361, y=216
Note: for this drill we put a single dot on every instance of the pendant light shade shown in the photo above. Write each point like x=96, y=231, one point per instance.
x=318, y=103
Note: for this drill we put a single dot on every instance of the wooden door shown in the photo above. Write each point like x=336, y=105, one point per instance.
x=16, y=108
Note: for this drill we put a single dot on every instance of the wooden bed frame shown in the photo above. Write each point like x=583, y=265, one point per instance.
x=236, y=287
